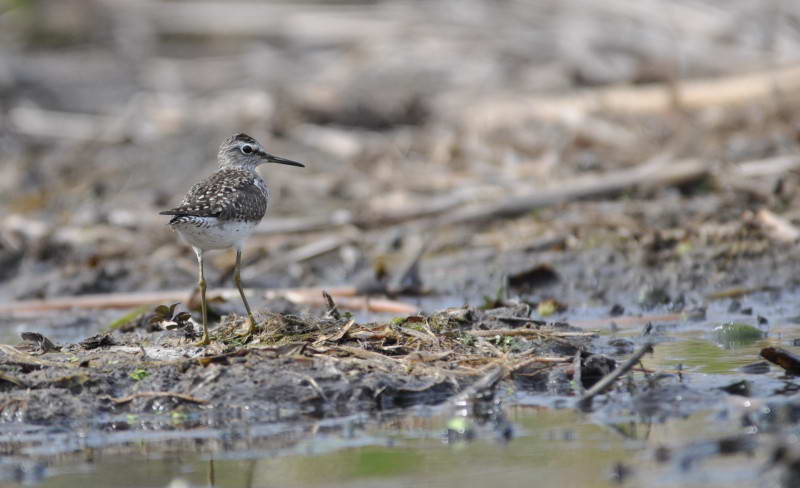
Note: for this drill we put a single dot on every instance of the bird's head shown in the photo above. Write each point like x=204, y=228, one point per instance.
x=242, y=151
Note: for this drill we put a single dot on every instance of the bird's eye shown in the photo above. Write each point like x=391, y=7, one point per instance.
x=247, y=149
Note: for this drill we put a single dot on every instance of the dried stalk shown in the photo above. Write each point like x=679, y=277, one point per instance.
x=733, y=90
x=490, y=378
x=526, y=332
x=129, y=300
x=380, y=305
x=677, y=172
x=777, y=227
x=155, y=394
x=607, y=380
x=626, y=321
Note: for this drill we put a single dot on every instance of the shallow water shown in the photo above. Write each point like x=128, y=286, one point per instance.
x=549, y=446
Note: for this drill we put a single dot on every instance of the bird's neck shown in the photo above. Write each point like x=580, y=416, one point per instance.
x=237, y=166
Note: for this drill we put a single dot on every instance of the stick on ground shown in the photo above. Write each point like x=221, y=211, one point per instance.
x=332, y=312
x=346, y=298
x=488, y=380
x=677, y=172
x=607, y=380
x=156, y=394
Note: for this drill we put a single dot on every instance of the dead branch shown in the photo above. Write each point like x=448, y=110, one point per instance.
x=526, y=332
x=777, y=227
x=130, y=300
x=155, y=394
x=11, y=379
x=380, y=305
x=332, y=311
x=344, y=219
x=16, y=356
x=692, y=95
x=626, y=321
x=610, y=183
x=767, y=167
x=490, y=378
x=427, y=208
x=311, y=250
x=277, y=225
x=540, y=359
x=364, y=354
x=607, y=380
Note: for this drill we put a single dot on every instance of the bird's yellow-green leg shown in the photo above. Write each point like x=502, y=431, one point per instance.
x=201, y=283
x=237, y=278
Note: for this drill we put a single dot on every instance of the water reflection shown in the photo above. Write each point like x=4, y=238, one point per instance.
x=546, y=444
x=550, y=448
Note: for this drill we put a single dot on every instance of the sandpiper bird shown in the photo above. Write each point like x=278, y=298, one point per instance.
x=222, y=210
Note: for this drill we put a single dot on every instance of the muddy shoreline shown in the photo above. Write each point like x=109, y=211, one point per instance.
x=296, y=368
x=305, y=371
x=509, y=199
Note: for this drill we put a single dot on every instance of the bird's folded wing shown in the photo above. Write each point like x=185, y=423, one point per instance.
x=227, y=194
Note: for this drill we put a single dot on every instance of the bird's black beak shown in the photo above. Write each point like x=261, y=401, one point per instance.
x=275, y=159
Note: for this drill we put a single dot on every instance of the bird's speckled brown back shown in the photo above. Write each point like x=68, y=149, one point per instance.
x=228, y=194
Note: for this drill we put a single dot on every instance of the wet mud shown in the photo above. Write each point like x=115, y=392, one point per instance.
x=506, y=200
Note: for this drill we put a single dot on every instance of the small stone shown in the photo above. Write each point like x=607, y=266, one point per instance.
x=622, y=345
x=651, y=297
x=760, y=367
x=616, y=310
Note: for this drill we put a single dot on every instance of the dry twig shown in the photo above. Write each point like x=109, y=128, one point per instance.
x=626, y=321
x=369, y=304
x=155, y=394
x=490, y=378
x=332, y=311
x=130, y=300
x=608, y=379
x=540, y=359
x=659, y=174
x=16, y=356
x=697, y=94
x=777, y=227
x=526, y=332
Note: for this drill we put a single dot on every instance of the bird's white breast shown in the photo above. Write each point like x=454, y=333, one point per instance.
x=212, y=233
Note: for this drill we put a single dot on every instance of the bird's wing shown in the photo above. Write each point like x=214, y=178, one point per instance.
x=226, y=194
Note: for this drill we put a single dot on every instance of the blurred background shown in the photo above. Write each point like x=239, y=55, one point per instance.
x=578, y=149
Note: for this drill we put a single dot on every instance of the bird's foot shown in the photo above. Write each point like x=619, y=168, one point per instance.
x=251, y=329
x=204, y=341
